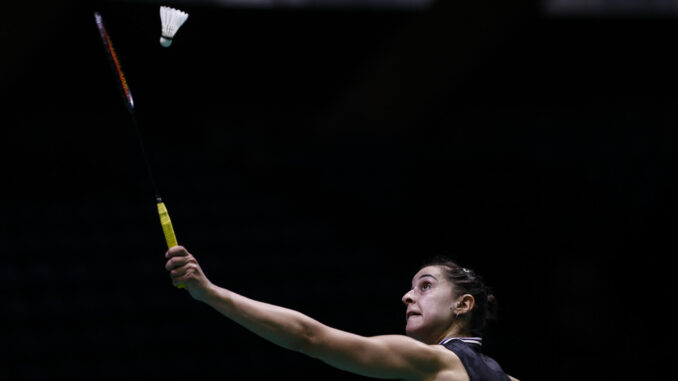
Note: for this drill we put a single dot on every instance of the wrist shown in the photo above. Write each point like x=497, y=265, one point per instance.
x=209, y=294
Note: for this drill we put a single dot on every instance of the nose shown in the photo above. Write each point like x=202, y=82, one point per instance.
x=408, y=297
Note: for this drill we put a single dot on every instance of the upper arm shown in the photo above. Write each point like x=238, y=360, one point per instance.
x=389, y=356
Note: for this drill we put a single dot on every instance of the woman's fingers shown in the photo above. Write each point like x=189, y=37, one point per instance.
x=185, y=272
x=176, y=251
x=175, y=262
x=181, y=268
x=183, y=275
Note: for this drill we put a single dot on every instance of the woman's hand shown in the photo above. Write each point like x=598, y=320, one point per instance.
x=185, y=270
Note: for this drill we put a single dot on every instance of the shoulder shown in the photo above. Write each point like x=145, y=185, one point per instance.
x=428, y=362
x=475, y=361
x=432, y=356
x=450, y=365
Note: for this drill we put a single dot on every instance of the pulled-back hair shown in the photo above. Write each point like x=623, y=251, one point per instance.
x=466, y=281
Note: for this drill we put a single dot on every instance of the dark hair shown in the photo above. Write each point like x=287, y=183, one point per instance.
x=466, y=281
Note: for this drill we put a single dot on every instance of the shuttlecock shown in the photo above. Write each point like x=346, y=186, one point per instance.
x=171, y=19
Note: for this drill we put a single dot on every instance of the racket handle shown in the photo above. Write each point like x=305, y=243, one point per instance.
x=167, y=228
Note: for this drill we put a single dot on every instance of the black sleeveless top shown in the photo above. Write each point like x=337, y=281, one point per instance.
x=478, y=366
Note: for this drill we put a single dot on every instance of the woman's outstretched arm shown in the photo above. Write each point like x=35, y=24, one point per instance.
x=391, y=356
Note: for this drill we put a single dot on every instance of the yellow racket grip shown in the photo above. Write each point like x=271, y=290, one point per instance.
x=167, y=228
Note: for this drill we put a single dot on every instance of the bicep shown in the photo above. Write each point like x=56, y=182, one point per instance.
x=387, y=357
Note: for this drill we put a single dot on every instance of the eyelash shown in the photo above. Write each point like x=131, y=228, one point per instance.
x=423, y=287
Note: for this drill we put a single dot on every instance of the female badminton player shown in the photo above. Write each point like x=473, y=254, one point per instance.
x=446, y=311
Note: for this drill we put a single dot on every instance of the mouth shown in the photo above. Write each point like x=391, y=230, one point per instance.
x=412, y=313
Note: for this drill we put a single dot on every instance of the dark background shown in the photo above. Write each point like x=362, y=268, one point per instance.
x=313, y=158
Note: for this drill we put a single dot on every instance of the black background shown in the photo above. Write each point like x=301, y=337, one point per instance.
x=313, y=158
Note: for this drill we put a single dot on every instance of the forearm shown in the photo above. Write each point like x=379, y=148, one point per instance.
x=285, y=327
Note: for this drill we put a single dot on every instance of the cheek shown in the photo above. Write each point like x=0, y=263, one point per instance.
x=438, y=309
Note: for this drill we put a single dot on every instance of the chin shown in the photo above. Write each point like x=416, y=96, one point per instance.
x=414, y=333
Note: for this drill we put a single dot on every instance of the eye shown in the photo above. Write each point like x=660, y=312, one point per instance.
x=426, y=286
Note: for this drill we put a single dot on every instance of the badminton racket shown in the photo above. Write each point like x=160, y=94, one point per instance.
x=165, y=220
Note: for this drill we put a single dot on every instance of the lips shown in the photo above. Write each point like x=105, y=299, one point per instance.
x=412, y=313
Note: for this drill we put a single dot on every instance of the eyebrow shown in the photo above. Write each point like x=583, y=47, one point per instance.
x=427, y=275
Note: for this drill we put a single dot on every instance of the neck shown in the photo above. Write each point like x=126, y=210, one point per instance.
x=454, y=331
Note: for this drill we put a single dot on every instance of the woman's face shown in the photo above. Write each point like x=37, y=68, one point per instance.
x=430, y=305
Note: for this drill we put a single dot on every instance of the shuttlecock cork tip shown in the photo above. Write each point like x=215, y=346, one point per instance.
x=165, y=41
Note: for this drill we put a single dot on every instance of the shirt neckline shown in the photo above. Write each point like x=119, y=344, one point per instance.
x=468, y=340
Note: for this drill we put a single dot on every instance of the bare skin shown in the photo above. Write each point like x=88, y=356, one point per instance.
x=432, y=315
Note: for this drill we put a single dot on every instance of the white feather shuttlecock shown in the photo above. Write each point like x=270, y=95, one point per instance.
x=171, y=19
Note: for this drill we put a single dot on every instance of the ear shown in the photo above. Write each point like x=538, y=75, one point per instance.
x=465, y=304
